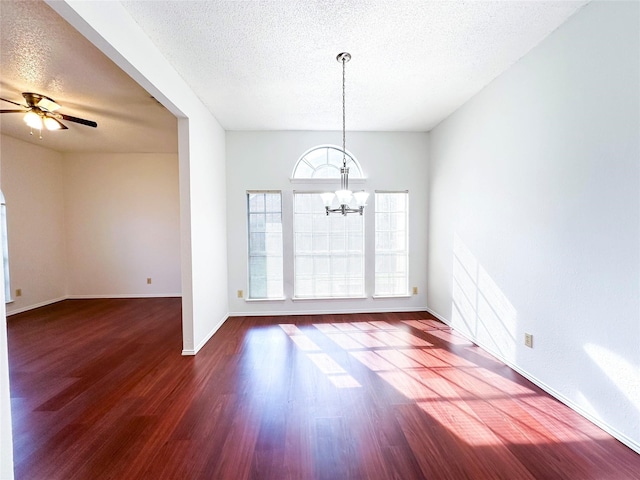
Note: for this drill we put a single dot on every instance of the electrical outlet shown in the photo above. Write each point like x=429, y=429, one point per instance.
x=149, y=281
x=240, y=294
x=528, y=340
x=415, y=290
x=18, y=292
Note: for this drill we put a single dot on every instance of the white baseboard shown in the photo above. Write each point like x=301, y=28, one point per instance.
x=342, y=311
x=439, y=317
x=35, y=305
x=87, y=297
x=189, y=352
x=124, y=295
x=632, y=444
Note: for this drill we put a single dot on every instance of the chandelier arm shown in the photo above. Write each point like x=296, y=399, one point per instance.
x=344, y=209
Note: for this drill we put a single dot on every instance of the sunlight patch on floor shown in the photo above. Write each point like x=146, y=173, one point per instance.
x=337, y=375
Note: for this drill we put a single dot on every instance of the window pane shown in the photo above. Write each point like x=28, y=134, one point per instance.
x=391, y=243
x=328, y=250
x=317, y=158
x=265, y=245
x=304, y=242
x=5, y=249
x=337, y=242
x=325, y=162
x=321, y=265
x=304, y=265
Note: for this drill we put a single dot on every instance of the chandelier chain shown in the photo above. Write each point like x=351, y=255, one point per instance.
x=344, y=195
x=344, y=151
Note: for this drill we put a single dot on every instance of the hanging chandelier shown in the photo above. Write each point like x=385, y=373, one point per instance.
x=344, y=195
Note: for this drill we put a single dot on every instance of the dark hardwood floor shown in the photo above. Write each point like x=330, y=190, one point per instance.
x=100, y=391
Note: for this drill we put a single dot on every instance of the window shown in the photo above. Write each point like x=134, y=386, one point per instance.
x=5, y=249
x=265, y=245
x=391, y=243
x=328, y=250
x=325, y=162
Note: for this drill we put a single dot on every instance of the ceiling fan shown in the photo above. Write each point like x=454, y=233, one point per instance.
x=40, y=111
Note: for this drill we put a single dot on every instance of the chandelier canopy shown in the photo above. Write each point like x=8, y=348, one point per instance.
x=344, y=195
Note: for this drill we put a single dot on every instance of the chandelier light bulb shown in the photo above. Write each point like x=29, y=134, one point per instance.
x=361, y=198
x=344, y=196
x=327, y=198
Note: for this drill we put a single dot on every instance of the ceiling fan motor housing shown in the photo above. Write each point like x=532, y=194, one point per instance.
x=40, y=101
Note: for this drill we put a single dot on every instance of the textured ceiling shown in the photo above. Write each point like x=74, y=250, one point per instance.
x=271, y=64
x=42, y=53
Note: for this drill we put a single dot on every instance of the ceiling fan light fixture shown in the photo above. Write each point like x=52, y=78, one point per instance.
x=33, y=120
x=52, y=123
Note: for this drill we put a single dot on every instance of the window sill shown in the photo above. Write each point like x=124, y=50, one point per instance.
x=379, y=297
x=256, y=300
x=327, y=181
x=305, y=299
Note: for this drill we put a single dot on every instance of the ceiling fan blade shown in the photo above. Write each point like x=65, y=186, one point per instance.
x=12, y=111
x=88, y=123
x=11, y=101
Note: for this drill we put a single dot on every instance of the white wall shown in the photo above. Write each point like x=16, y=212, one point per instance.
x=33, y=186
x=201, y=161
x=116, y=214
x=208, y=214
x=122, y=216
x=265, y=161
x=6, y=437
x=534, y=216
x=90, y=225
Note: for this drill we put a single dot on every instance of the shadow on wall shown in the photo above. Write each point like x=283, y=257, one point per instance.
x=480, y=308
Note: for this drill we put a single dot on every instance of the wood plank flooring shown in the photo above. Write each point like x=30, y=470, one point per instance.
x=100, y=391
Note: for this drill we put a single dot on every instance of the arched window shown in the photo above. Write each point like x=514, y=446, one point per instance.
x=328, y=252
x=325, y=161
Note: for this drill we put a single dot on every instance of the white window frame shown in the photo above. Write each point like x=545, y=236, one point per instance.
x=399, y=250
x=276, y=261
x=4, y=238
x=332, y=254
x=328, y=168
